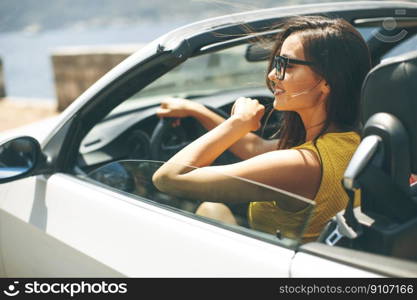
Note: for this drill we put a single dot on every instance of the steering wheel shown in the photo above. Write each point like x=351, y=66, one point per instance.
x=160, y=148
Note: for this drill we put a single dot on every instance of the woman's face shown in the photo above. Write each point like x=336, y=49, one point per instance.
x=301, y=88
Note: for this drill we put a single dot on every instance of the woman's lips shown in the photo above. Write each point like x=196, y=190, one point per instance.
x=278, y=91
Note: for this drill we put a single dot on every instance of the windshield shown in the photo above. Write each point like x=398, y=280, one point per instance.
x=221, y=71
x=135, y=178
x=206, y=74
x=232, y=69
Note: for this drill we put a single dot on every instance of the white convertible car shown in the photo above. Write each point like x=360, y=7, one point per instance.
x=77, y=198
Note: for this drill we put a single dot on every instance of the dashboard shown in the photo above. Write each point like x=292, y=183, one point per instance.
x=127, y=135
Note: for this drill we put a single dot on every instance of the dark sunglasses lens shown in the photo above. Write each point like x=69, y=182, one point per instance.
x=280, y=67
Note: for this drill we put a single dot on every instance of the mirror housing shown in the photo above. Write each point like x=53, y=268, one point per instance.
x=19, y=158
x=258, y=52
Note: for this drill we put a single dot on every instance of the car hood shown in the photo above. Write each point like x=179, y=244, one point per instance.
x=39, y=130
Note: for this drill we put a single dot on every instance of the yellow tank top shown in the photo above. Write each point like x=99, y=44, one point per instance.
x=335, y=152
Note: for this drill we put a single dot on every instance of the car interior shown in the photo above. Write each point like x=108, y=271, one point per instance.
x=387, y=222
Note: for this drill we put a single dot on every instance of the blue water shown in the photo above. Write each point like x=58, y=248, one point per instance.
x=27, y=64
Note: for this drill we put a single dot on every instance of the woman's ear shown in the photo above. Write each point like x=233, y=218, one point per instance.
x=325, y=87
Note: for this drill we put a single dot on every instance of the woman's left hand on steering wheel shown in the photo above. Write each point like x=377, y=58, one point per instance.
x=176, y=108
x=170, y=112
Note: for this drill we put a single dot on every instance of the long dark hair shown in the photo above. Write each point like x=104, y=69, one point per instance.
x=341, y=57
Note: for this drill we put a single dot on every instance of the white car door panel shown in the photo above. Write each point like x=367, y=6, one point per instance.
x=29, y=252
x=80, y=229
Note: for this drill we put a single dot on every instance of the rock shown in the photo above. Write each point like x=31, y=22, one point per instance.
x=77, y=68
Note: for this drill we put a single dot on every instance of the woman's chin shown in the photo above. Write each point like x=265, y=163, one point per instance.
x=278, y=104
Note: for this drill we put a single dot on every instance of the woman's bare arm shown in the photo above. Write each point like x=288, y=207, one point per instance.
x=291, y=170
x=246, y=147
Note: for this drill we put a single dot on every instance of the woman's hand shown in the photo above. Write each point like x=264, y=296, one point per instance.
x=176, y=108
x=250, y=111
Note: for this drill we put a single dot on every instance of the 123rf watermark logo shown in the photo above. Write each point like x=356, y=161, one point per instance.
x=390, y=32
x=72, y=289
x=12, y=289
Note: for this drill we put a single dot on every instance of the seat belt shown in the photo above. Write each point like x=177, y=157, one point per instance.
x=346, y=224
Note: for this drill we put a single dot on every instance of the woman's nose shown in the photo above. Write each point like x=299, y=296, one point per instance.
x=272, y=75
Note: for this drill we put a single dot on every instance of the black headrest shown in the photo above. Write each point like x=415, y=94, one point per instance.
x=391, y=87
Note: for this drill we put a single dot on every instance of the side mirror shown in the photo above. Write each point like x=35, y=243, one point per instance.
x=18, y=158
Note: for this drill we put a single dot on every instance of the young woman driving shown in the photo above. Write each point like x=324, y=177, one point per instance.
x=315, y=73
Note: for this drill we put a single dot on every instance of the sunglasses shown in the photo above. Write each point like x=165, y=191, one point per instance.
x=281, y=63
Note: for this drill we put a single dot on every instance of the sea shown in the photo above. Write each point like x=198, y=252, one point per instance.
x=26, y=55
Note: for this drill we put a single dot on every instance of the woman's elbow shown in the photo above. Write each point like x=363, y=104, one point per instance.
x=159, y=180
x=163, y=182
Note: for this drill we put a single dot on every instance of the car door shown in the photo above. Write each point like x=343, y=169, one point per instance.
x=72, y=227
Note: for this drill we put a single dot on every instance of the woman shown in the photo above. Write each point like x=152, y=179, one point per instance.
x=315, y=73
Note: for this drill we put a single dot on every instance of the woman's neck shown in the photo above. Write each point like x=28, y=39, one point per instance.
x=314, y=120
x=313, y=131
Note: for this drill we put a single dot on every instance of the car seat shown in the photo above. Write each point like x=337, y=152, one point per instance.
x=386, y=222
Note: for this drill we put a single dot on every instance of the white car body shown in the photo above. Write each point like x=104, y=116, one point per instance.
x=59, y=225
